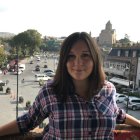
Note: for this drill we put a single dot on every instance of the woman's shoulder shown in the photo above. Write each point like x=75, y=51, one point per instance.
x=46, y=90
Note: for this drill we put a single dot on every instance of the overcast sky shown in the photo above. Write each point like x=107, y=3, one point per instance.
x=62, y=17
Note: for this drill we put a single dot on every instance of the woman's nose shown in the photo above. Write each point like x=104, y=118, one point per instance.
x=78, y=61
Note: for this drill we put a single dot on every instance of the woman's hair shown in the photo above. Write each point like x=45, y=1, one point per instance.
x=62, y=84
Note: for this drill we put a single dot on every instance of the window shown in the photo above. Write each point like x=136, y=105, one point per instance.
x=134, y=53
x=119, y=53
x=126, y=53
x=136, y=101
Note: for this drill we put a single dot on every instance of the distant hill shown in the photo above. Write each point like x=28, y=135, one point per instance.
x=6, y=35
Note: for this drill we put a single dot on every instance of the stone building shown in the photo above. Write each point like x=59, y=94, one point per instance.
x=107, y=37
x=122, y=65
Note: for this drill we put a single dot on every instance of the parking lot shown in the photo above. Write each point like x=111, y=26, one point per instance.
x=28, y=89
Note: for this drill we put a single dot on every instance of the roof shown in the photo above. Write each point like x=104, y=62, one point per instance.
x=121, y=81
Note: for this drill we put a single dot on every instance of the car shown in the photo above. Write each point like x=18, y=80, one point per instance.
x=37, y=66
x=120, y=97
x=38, y=58
x=48, y=70
x=51, y=74
x=41, y=76
x=2, y=83
x=45, y=66
x=132, y=102
x=37, y=69
x=31, y=62
x=17, y=72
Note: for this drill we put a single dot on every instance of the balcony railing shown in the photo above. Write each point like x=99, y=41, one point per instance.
x=122, y=132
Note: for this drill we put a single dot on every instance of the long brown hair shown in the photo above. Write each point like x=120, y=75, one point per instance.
x=62, y=84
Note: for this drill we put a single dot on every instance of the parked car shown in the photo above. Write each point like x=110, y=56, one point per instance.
x=37, y=66
x=120, y=97
x=38, y=58
x=51, y=74
x=133, y=103
x=37, y=69
x=2, y=83
x=41, y=76
x=48, y=70
x=17, y=72
x=45, y=66
x=31, y=62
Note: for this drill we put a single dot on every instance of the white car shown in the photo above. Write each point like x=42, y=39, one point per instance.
x=132, y=102
x=2, y=83
x=43, y=77
x=38, y=58
x=17, y=72
x=120, y=97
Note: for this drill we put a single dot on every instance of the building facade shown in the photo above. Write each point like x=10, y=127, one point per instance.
x=122, y=65
x=107, y=37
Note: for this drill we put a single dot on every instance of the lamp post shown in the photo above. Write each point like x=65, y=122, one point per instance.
x=17, y=82
x=128, y=86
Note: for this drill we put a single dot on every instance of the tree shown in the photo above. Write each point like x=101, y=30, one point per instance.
x=125, y=41
x=2, y=57
x=27, y=42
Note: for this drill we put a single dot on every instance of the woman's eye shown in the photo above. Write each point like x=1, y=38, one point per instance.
x=85, y=55
x=70, y=56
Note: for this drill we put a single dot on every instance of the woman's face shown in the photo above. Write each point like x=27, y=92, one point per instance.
x=80, y=63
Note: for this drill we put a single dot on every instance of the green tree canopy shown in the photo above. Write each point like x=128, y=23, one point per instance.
x=2, y=57
x=27, y=42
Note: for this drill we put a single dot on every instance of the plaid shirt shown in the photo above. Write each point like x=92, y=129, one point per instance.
x=77, y=119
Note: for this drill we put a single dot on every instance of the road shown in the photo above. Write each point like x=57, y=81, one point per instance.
x=29, y=89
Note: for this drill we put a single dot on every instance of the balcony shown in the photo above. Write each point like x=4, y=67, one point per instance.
x=122, y=132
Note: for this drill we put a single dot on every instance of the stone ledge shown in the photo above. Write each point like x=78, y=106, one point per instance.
x=122, y=132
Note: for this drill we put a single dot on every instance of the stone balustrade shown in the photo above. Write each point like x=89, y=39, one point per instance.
x=122, y=132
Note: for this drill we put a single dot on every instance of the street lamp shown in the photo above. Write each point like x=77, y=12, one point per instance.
x=128, y=86
x=17, y=82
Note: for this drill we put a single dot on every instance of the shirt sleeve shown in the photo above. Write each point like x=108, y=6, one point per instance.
x=107, y=103
x=120, y=113
x=121, y=116
x=35, y=115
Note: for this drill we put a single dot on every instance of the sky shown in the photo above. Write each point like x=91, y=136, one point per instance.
x=62, y=17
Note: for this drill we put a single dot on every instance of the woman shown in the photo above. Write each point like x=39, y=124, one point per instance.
x=79, y=102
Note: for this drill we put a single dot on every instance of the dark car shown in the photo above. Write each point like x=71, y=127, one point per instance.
x=37, y=66
x=48, y=70
x=50, y=74
x=31, y=62
x=37, y=69
x=45, y=66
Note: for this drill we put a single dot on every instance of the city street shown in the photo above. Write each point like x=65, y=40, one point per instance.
x=28, y=89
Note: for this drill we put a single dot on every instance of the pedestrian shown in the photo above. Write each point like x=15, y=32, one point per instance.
x=79, y=103
x=12, y=95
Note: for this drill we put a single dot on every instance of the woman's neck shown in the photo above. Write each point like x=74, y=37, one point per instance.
x=82, y=88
